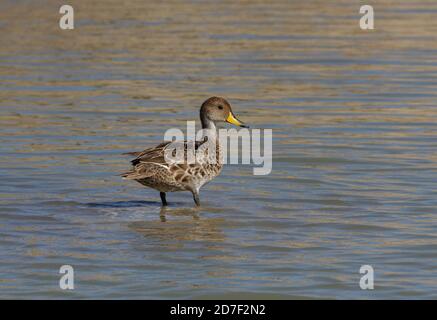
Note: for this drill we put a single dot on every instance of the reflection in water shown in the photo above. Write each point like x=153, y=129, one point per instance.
x=181, y=224
x=194, y=212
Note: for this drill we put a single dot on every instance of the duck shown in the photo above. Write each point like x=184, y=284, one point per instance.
x=152, y=168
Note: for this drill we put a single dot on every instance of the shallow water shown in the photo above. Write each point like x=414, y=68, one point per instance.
x=354, y=174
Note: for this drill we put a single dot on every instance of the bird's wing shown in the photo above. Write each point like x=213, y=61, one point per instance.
x=154, y=154
x=147, y=161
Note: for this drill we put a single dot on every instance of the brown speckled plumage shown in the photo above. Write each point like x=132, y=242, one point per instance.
x=151, y=169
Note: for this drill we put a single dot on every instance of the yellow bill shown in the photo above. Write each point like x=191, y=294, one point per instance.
x=231, y=119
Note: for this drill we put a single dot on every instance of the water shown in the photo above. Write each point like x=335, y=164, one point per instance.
x=354, y=174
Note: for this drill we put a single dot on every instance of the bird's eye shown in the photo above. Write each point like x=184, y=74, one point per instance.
x=220, y=107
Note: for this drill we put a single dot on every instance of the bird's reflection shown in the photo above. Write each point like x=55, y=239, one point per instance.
x=182, y=224
x=193, y=212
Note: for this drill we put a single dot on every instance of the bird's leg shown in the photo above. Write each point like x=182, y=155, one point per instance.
x=164, y=201
x=196, y=198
